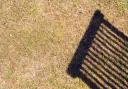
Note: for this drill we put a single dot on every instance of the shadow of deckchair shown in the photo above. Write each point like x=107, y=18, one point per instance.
x=101, y=58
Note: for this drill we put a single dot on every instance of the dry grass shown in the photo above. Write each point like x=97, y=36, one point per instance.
x=38, y=39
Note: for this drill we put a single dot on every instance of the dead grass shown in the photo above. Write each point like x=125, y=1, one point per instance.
x=38, y=39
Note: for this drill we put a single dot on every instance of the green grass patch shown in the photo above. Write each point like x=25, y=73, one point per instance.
x=123, y=4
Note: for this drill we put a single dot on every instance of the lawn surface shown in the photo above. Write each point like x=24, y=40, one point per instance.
x=39, y=37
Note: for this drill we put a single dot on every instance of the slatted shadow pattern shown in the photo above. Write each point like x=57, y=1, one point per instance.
x=101, y=59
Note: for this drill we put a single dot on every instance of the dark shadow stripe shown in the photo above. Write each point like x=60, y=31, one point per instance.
x=122, y=47
x=113, y=62
x=92, y=81
x=115, y=56
x=115, y=30
x=113, y=80
x=98, y=75
x=112, y=48
x=103, y=64
x=108, y=68
x=85, y=44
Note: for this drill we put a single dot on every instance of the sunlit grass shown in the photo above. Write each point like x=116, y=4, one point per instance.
x=123, y=4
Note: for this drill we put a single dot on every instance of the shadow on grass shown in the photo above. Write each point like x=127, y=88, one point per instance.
x=101, y=58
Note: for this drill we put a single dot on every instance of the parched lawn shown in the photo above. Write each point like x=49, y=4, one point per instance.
x=39, y=37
